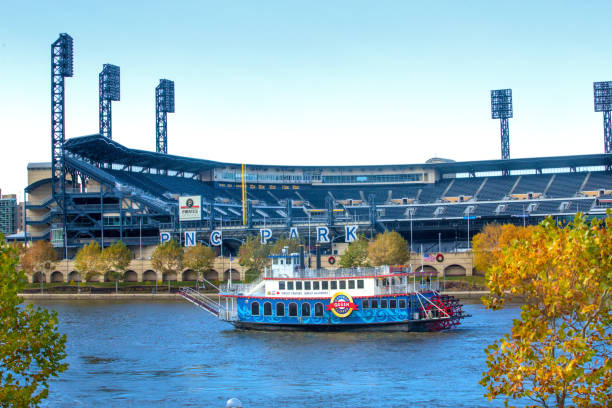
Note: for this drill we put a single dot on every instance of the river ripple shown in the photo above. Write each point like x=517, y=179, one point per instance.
x=172, y=354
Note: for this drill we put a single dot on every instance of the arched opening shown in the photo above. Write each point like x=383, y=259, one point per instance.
x=74, y=276
x=267, y=309
x=130, y=276
x=293, y=309
x=318, y=309
x=428, y=269
x=189, y=275
x=280, y=309
x=212, y=275
x=306, y=309
x=169, y=276
x=110, y=276
x=235, y=275
x=454, y=270
x=255, y=309
x=149, y=276
x=95, y=278
x=39, y=277
x=57, y=276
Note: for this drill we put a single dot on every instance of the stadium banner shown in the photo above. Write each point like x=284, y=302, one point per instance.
x=322, y=235
x=350, y=233
x=266, y=234
x=190, y=208
x=190, y=238
x=216, y=238
x=293, y=233
x=164, y=236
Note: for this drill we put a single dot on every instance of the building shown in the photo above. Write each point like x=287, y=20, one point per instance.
x=8, y=214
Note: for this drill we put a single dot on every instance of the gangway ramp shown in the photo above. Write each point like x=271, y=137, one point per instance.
x=200, y=300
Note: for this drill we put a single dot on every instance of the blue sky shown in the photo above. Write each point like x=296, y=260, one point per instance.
x=312, y=82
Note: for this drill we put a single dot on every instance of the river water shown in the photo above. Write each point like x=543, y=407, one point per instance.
x=172, y=354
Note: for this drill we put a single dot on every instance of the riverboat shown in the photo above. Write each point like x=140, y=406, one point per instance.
x=291, y=297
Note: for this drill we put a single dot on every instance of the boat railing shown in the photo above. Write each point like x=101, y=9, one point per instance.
x=240, y=288
x=332, y=273
x=408, y=287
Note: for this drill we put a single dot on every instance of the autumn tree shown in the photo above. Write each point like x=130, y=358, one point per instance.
x=487, y=244
x=253, y=255
x=558, y=352
x=88, y=261
x=40, y=257
x=168, y=258
x=283, y=241
x=388, y=248
x=114, y=260
x=31, y=347
x=356, y=253
x=199, y=258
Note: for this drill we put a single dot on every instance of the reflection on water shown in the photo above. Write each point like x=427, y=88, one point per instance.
x=161, y=354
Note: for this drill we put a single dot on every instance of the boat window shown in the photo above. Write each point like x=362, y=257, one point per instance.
x=307, y=285
x=351, y=284
x=393, y=304
x=298, y=285
x=315, y=285
x=306, y=309
x=292, y=309
x=383, y=304
x=359, y=283
x=374, y=304
x=289, y=285
x=267, y=309
x=333, y=284
x=342, y=284
x=281, y=285
x=318, y=309
x=280, y=309
x=402, y=303
x=365, y=304
x=255, y=309
x=324, y=285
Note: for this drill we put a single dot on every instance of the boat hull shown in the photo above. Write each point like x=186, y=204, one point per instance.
x=406, y=326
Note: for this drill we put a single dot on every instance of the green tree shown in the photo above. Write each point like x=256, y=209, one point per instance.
x=167, y=258
x=199, y=258
x=356, y=253
x=40, y=257
x=388, y=248
x=558, y=352
x=114, y=261
x=253, y=255
x=282, y=242
x=31, y=347
x=88, y=261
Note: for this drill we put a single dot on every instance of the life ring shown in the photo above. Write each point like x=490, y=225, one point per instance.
x=440, y=258
x=331, y=260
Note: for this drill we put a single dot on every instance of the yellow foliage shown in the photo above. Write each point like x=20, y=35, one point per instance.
x=487, y=244
x=388, y=248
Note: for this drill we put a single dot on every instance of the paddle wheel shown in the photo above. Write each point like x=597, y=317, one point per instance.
x=445, y=311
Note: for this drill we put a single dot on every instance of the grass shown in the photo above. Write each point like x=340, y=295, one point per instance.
x=477, y=280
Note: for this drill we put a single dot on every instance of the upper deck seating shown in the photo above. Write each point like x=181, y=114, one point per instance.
x=532, y=183
x=464, y=187
x=565, y=185
x=433, y=192
x=496, y=188
x=599, y=180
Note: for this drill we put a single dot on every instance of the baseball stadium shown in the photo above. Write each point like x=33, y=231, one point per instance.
x=95, y=189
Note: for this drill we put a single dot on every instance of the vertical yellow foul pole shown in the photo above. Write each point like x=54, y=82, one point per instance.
x=244, y=194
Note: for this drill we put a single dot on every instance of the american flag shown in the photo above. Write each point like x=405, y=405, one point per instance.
x=429, y=258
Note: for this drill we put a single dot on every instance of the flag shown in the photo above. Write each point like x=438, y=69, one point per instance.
x=429, y=258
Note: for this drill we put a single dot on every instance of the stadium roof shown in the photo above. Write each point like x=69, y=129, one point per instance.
x=100, y=149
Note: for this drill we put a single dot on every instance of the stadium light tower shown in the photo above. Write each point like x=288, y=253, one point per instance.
x=109, y=91
x=164, y=103
x=61, y=67
x=501, y=108
x=602, y=95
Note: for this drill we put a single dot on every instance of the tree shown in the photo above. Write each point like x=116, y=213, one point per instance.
x=40, y=257
x=488, y=243
x=199, y=258
x=31, y=347
x=388, y=248
x=168, y=257
x=254, y=256
x=559, y=350
x=277, y=247
x=114, y=261
x=88, y=260
x=356, y=253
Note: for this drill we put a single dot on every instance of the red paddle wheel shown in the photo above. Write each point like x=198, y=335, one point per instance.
x=445, y=311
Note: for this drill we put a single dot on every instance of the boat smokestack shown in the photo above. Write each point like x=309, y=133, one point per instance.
x=302, y=266
x=318, y=248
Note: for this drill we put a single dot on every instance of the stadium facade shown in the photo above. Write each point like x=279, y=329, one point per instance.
x=117, y=193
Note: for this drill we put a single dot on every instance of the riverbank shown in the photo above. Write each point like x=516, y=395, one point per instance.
x=462, y=295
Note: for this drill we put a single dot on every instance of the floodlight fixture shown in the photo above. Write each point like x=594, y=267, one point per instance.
x=501, y=108
x=109, y=80
x=602, y=98
x=164, y=104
